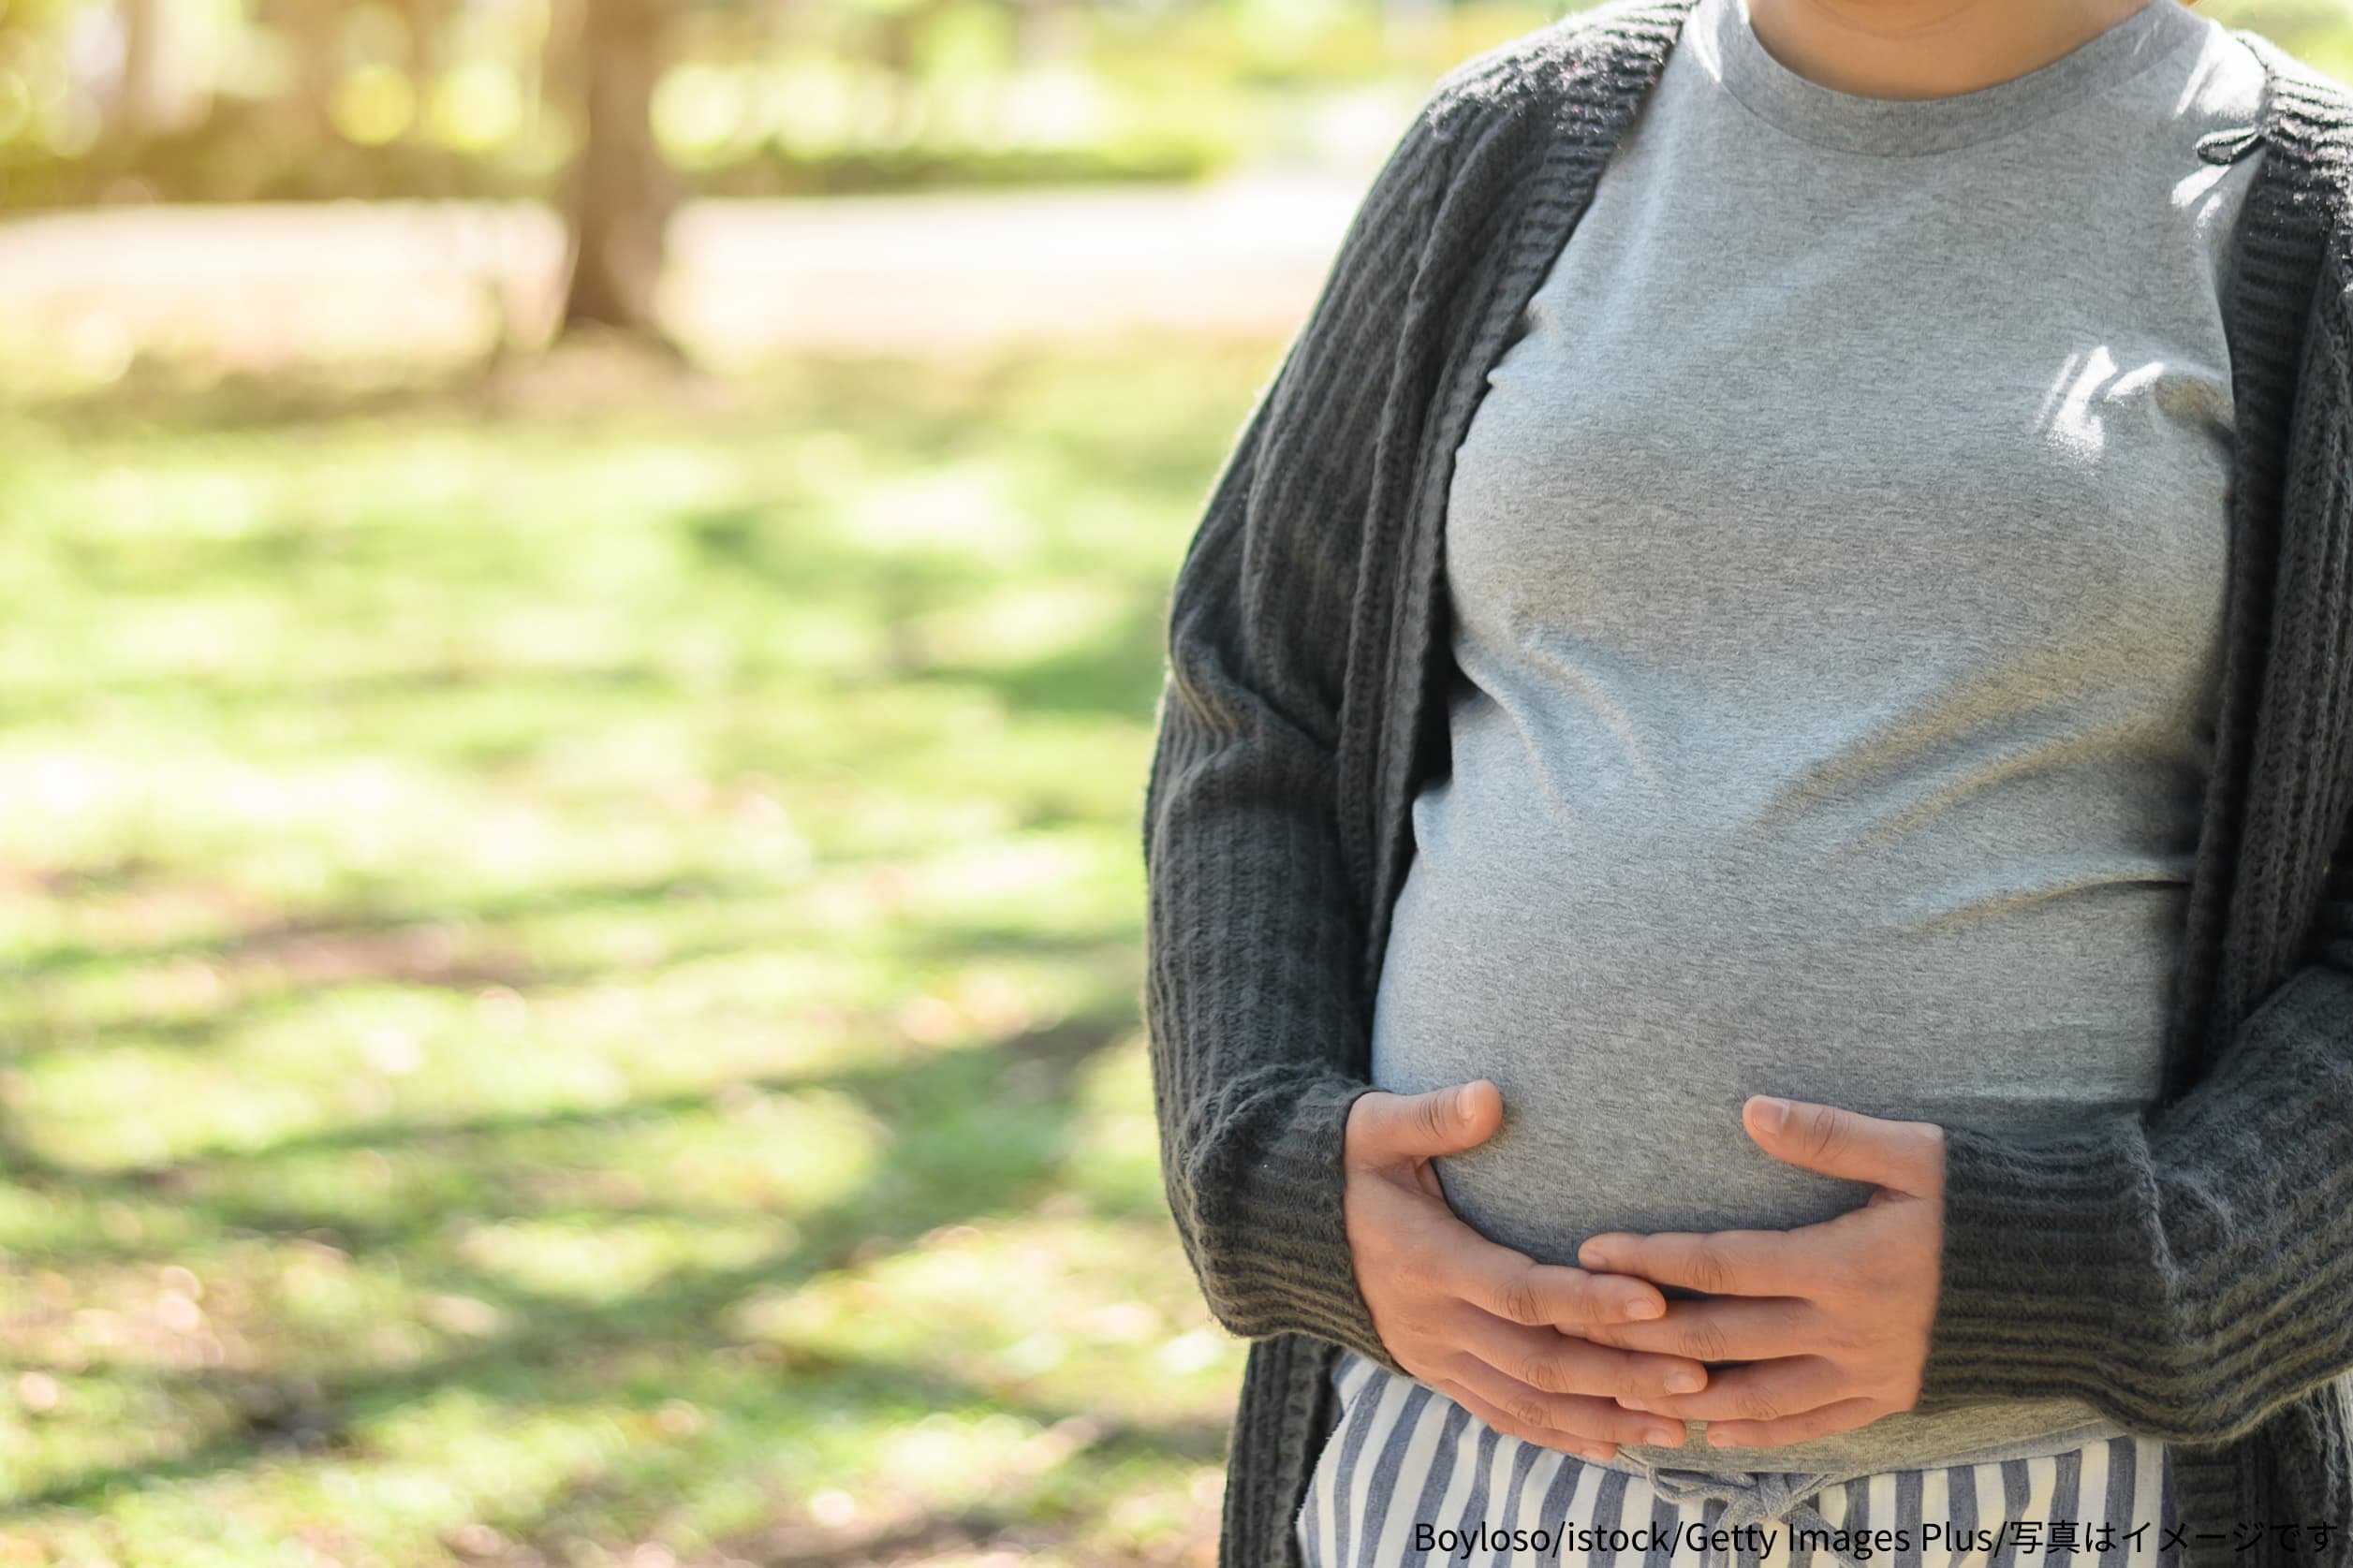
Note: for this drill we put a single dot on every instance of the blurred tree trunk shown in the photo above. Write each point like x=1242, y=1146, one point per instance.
x=168, y=67
x=139, y=107
x=622, y=193
x=423, y=19
x=316, y=26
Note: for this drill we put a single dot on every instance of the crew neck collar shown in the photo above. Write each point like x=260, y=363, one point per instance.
x=1905, y=127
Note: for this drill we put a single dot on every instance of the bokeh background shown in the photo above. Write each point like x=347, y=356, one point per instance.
x=584, y=586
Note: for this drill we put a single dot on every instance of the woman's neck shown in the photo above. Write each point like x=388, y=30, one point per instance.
x=1927, y=48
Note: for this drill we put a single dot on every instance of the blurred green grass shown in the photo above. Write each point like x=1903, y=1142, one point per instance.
x=575, y=965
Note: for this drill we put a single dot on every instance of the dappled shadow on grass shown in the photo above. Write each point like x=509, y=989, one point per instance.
x=1116, y=673
x=979, y=1128
x=567, y=1354
x=273, y=964
x=781, y=827
x=293, y=1419
x=299, y=688
x=380, y=927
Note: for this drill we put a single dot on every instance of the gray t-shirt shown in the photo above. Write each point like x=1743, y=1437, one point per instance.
x=1837, y=559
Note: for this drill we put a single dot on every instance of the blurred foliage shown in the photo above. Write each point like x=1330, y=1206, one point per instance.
x=262, y=102
x=306, y=100
x=2319, y=32
x=575, y=964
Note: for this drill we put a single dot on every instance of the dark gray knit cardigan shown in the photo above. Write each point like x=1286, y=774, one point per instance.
x=2187, y=1271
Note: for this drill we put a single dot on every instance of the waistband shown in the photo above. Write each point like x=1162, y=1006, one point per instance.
x=1754, y=1497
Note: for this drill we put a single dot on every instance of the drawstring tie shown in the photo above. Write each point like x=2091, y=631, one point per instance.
x=1755, y=1497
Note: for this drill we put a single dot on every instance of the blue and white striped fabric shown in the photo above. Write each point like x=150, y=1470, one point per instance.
x=1410, y=1479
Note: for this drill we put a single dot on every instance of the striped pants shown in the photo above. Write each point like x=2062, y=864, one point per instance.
x=1410, y=1479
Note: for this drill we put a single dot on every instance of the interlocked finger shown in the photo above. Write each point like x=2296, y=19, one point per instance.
x=1555, y=1363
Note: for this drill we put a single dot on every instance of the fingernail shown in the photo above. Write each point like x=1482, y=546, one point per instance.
x=1463, y=1105
x=1717, y=1439
x=1645, y=1308
x=1659, y=1437
x=1777, y=1112
x=1683, y=1383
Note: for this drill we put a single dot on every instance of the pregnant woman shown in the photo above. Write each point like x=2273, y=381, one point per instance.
x=1751, y=917
x=1836, y=561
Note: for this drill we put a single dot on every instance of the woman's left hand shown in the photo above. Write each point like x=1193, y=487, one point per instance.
x=1832, y=1318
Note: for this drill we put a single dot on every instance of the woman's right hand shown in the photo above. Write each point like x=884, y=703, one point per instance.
x=1491, y=1328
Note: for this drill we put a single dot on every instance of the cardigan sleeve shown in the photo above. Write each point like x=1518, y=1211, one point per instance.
x=1259, y=1039
x=2187, y=1270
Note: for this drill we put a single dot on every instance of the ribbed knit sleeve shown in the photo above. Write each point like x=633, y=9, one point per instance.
x=2187, y=1273
x=1259, y=1038
x=2189, y=1270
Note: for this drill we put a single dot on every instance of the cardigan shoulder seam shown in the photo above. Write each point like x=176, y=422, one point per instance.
x=2308, y=114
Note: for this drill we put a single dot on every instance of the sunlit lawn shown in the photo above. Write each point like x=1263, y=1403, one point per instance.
x=573, y=973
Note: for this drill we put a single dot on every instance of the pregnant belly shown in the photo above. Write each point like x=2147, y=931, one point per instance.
x=1614, y=1134
x=1625, y=1025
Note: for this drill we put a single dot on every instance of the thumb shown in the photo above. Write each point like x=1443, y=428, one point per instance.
x=1438, y=1121
x=1905, y=1156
